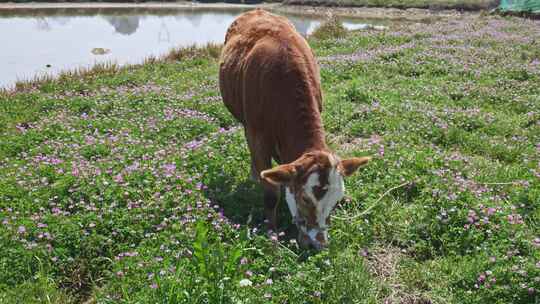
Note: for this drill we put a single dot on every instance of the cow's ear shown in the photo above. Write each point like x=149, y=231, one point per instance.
x=279, y=175
x=348, y=166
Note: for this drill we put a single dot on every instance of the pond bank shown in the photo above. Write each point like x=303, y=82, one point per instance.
x=461, y=5
x=181, y=4
x=413, y=14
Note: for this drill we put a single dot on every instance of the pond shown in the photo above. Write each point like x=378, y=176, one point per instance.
x=50, y=40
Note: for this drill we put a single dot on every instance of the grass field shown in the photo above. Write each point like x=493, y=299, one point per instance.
x=131, y=185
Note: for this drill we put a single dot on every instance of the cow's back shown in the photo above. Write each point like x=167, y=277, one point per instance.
x=267, y=70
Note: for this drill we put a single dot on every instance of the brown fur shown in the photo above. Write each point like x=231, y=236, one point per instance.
x=270, y=82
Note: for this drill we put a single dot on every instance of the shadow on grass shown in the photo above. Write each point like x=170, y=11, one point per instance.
x=242, y=203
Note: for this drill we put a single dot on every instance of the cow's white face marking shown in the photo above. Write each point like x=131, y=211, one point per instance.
x=334, y=191
x=291, y=202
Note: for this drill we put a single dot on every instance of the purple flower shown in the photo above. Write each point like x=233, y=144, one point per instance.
x=75, y=171
x=169, y=169
x=21, y=229
x=118, y=178
x=364, y=252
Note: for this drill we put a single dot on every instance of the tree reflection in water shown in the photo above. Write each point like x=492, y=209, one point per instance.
x=125, y=25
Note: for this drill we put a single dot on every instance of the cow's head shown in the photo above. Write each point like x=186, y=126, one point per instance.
x=313, y=186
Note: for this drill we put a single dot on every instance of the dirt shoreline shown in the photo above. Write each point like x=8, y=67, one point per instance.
x=412, y=14
x=184, y=4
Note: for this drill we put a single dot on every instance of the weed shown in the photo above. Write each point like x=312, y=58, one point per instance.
x=330, y=28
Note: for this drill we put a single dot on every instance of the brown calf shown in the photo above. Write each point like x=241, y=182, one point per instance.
x=270, y=82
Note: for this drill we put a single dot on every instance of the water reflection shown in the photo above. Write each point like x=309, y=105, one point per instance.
x=128, y=24
x=302, y=25
x=64, y=38
x=125, y=25
x=42, y=24
x=164, y=35
x=195, y=19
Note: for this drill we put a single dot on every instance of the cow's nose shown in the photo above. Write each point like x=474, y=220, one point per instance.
x=317, y=246
x=321, y=237
x=315, y=238
x=320, y=241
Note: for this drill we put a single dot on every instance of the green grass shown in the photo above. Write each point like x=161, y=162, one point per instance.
x=131, y=185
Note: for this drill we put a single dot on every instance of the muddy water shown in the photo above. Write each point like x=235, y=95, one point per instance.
x=46, y=41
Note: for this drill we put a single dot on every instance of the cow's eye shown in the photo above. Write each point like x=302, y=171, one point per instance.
x=320, y=191
x=307, y=202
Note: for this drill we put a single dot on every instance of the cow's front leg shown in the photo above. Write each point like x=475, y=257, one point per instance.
x=271, y=202
x=261, y=160
x=256, y=159
x=254, y=174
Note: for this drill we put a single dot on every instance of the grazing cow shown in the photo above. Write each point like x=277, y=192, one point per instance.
x=270, y=82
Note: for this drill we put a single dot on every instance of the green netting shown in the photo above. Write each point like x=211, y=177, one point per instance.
x=531, y=6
